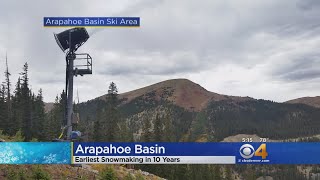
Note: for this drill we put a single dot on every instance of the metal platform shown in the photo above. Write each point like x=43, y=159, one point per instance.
x=82, y=64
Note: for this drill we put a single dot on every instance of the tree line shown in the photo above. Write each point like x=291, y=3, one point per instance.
x=21, y=110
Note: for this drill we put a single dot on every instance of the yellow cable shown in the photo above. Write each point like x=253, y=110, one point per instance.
x=61, y=135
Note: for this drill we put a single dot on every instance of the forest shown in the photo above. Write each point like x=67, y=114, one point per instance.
x=22, y=113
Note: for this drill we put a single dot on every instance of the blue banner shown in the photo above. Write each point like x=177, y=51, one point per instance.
x=279, y=153
x=35, y=153
x=91, y=21
x=159, y=153
x=237, y=153
x=152, y=149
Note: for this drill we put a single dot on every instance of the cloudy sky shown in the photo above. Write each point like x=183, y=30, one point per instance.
x=266, y=49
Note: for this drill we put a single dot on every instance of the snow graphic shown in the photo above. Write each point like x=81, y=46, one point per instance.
x=50, y=159
x=35, y=153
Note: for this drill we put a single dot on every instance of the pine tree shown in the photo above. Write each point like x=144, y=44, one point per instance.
x=7, y=83
x=86, y=126
x=39, y=117
x=158, y=129
x=168, y=128
x=26, y=103
x=16, y=124
x=125, y=133
x=98, y=132
x=147, y=133
x=55, y=118
x=2, y=109
x=112, y=116
x=99, y=127
x=51, y=120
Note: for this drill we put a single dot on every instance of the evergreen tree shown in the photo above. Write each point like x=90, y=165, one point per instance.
x=39, y=117
x=168, y=128
x=99, y=126
x=26, y=103
x=8, y=113
x=51, y=120
x=158, y=129
x=98, y=132
x=2, y=108
x=55, y=119
x=112, y=96
x=125, y=133
x=16, y=124
x=86, y=126
x=112, y=116
x=147, y=133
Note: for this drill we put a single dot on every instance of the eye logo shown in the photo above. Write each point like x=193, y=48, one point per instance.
x=247, y=151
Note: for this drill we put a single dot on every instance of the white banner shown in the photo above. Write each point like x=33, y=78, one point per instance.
x=153, y=159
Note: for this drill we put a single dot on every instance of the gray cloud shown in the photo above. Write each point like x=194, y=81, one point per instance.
x=249, y=48
x=303, y=68
x=308, y=4
x=301, y=75
x=145, y=63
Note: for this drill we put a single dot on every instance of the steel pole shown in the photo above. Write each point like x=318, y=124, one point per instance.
x=70, y=97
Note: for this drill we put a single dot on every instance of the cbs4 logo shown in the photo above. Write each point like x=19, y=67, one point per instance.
x=247, y=151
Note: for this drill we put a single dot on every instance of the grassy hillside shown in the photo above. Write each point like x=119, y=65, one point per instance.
x=221, y=117
x=176, y=111
x=311, y=101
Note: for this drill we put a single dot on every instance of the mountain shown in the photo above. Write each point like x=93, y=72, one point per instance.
x=311, y=101
x=181, y=92
x=196, y=114
x=179, y=110
x=48, y=106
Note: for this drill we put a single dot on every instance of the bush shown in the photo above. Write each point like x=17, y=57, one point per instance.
x=40, y=174
x=13, y=173
x=34, y=140
x=139, y=176
x=22, y=175
x=108, y=174
x=129, y=176
x=18, y=137
x=3, y=137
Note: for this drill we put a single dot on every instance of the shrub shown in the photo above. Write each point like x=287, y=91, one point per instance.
x=2, y=136
x=40, y=174
x=22, y=175
x=11, y=174
x=18, y=137
x=129, y=176
x=139, y=176
x=34, y=140
x=108, y=174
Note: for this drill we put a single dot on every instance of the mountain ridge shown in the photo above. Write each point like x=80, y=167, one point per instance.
x=181, y=92
x=311, y=101
x=189, y=95
x=193, y=113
